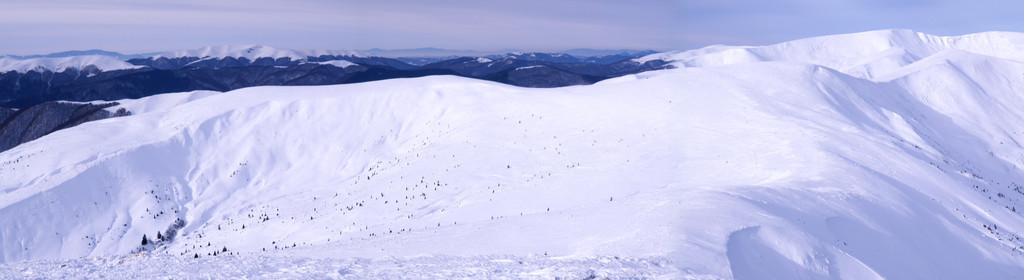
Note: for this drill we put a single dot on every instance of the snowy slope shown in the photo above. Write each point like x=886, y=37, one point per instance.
x=60, y=64
x=274, y=266
x=797, y=165
x=867, y=55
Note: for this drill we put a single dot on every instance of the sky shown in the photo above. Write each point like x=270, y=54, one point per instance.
x=136, y=26
x=140, y=26
x=752, y=22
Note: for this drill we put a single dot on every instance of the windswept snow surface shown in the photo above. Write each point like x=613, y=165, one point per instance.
x=803, y=166
x=141, y=266
x=61, y=64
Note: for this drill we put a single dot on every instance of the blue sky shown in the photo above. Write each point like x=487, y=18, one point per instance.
x=135, y=26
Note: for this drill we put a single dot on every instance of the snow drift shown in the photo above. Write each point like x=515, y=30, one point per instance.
x=888, y=154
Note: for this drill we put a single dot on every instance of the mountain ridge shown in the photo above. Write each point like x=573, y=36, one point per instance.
x=34, y=81
x=887, y=46
x=850, y=162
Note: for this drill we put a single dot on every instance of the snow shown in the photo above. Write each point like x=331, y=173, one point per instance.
x=879, y=155
x=162, y=102
x=320, y=52
x=252, y=52
x=865, y=55
x=338, y=63
x=483, y=60
x=61, y=64
x=528, y=67
x=278, y=267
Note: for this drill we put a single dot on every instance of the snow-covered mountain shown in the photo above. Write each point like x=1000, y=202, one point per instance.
x=436, y=52
x=225, y=68
x=61, y=64
x=107, y=60
x=584, y=52
x=874, y=54
x=878, y=155
x=82, y=53
x=253, y=52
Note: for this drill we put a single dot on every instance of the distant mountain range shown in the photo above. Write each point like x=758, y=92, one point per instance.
x=41, y=94
x=101, y=75
x=81, y=53
x=391, y=53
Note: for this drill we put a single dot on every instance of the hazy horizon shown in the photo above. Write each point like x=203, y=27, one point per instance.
x=141, y=27
x=132, y=27
x=409, y=50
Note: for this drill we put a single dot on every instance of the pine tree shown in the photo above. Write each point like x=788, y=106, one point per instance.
x=145, y=240
x=197, y=256
x=159, y=236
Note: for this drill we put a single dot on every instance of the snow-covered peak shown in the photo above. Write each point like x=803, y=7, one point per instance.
x=61, y=64
x=864, y=54
x=253, y=52
x=247, y=51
